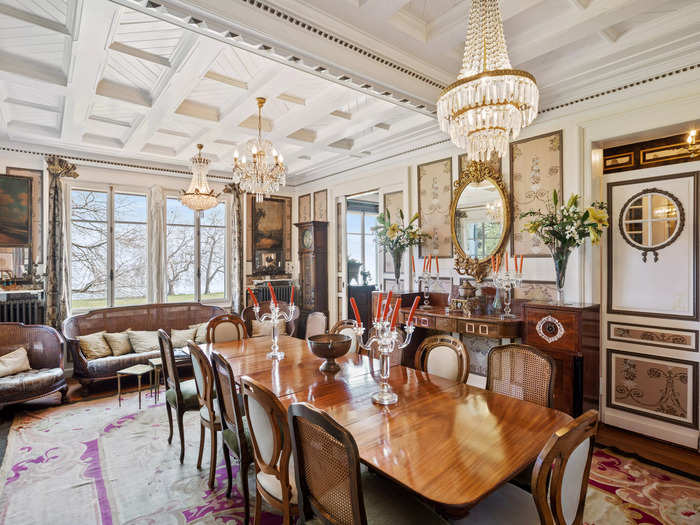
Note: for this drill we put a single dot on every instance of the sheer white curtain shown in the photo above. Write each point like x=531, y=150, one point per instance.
x=236, y=244
x=156, y=244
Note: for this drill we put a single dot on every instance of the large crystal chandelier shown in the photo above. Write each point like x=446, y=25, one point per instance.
x=261, y=170
x=489, y=102
x=199, y=196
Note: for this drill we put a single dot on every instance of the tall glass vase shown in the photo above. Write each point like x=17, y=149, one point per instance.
x=560, y=255
x=397, y=257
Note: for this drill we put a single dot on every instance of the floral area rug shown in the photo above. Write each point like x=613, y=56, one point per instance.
x=95, y=463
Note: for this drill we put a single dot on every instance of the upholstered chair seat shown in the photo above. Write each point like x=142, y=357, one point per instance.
x=204, y=414
x=189, y=395
x=272, y=485
x=444, y=356
x=29, y=382
x=229, y=437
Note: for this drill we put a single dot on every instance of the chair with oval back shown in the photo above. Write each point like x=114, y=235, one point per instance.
x=331, y=485
x=179, y=395
x=269, y=432
x=234, y=434
x=444, y=356
x=209, y=417
x=521, y=371
x=248, y=316
x=559, y=481
x=346, y=327
x=226, y=327
x=315, y=324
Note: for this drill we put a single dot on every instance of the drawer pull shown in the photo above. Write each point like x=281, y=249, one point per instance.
x=470, y=328
x=483, y=329
x=423, y=321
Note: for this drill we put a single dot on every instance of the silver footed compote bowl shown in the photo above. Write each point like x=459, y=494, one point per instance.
x=329, y=347
x=385, y=340
x=274, y=317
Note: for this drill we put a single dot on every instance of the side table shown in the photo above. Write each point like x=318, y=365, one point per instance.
x=135, y=370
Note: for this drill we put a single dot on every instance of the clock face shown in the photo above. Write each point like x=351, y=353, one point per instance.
x=307, y=239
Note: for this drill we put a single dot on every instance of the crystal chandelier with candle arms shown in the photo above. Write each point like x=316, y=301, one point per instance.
x=490, y=102
x=199, y=196
x=261, y=170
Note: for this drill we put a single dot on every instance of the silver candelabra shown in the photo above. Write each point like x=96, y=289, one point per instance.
x=385, y=340
x=274, y=317
x=507, y=281
x=428, y=280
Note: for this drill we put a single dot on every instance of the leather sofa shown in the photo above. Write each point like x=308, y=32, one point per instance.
x=44, y=347
x=141, y=317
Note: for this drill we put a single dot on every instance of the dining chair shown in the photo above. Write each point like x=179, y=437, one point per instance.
x=559, y=481
x=332, y=489
x=179, y=396
x=269, y=433
x=444, y=356
x=234, y=429
x=226, y=327
x=209, y=416
x=521, y=371
x=315, y=324
x=346, y=327
x=248, y=316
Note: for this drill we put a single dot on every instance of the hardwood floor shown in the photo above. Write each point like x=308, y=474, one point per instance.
x=659, y=452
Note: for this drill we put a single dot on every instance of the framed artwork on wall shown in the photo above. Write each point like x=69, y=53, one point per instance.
x=434, y=199
x=15, y=212
x=321, y=205
x=269, y=244
x=305, y=208
x=536, y=170
x=35, y=210
x=392, y=202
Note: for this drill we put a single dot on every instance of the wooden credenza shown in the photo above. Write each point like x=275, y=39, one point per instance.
x=570, y=334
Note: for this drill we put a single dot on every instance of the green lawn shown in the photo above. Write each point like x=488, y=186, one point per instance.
x=89, y=304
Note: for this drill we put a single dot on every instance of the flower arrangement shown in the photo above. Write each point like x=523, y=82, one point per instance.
x=563, y=227
x=395, y=237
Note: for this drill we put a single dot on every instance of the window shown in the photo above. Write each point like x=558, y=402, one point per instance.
x=362, y=245
x=196, y=253
x=108, y=248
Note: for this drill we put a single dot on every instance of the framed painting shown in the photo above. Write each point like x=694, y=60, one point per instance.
x=392, y=202
x=536, y=170
x=321, y=205
x=434, y=199
x=305, y=208
x=15, y=211
x=37, y=211
x=269, y=242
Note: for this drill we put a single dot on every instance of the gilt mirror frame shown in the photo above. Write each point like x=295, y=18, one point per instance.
x=477, y=172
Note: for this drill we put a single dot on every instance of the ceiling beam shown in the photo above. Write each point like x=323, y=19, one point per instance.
x=33, y=19
x=199, y=53
x=32, y=70
x=89, y=56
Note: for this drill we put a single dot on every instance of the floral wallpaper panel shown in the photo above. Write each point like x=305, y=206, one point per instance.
x=434, y=199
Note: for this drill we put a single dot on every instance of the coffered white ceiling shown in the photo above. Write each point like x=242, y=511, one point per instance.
x=348, y=81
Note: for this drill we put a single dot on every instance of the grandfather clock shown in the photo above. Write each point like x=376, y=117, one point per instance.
x=313, y=270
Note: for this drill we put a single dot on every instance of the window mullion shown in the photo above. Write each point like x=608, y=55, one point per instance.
x=197, y=255
x=110, y=247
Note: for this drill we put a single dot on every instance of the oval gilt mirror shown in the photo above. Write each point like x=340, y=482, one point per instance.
x=480, y=218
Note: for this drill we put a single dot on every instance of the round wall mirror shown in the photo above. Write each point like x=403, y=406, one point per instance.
x=651, y=220
x=478, y=219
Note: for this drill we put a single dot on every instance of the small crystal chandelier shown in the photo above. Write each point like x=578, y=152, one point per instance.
x=489, y=102
x=265, y=172
x=199, y=196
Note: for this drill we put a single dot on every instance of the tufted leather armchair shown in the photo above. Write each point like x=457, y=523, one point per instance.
x=44, y=347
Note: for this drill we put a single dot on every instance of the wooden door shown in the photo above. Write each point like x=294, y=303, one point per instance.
x=650, y=326
x=341, y=258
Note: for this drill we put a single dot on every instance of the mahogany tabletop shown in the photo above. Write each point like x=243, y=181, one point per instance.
x=451, y=443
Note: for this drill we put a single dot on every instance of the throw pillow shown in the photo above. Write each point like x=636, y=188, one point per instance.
x=15, y=362
x=260, y=328
x=179, y=338
x=118, y=342
x=94, y=346
x=143, y=341
x=201, y=336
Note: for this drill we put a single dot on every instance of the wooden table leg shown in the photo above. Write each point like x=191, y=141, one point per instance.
x=156, y=371
x=139, y=377
x=119, y=388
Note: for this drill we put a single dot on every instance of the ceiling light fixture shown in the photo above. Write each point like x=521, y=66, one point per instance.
x=199, y=196
x=490, y=102
x=265, y=172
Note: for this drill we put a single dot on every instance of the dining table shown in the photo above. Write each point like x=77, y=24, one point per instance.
x=451, y=443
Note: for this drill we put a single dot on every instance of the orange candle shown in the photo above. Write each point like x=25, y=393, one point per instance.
x=355, y=311
x=252, y=297
x=272, y=293
x=430, y=262
x=506, y=261
x=437, y=264
x=395, y=317
x=413, y=310
x=387, y=306
x=425, y=261
x=291, y=299
x=413, y=264
x=521, y=263
x=379, y=308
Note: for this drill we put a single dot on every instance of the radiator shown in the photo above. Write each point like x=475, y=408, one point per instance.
x=25, y=308
x=262, y=293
